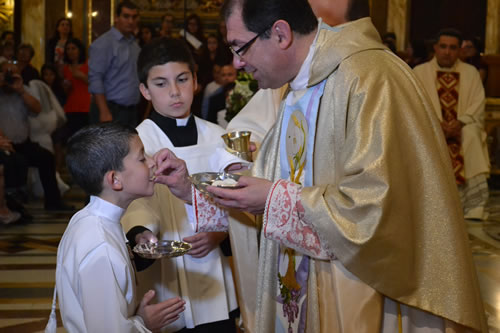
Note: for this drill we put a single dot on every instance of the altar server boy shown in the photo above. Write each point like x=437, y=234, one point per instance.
x=203, y=277
x=95, y=278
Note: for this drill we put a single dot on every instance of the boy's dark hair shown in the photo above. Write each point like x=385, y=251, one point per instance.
x=451, y=32
x=96, y=149
x=126, y=4
x=161, y=51
x=259, y=15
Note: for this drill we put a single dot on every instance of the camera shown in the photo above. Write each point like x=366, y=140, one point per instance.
x=9, y=78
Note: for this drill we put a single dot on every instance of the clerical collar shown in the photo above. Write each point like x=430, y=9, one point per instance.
x=181, y=132
x=302, y=79
x=445, y=69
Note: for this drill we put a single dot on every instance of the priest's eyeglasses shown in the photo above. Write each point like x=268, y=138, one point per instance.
x=239, y=52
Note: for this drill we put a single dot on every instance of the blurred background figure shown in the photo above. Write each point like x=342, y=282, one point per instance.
x=222, y=33
x=167, y=26
x=51, y=77
x=389, y=40
x=113, y=77
x=19, y=105
x=211, y=53
x=76, y=81
x=470, y=52
x=194, y=26
x=7, y=216
x=26, y=52
x=54, y=51
x=7, y=51
x=8, y=36
x=145, y=35
x=416, y=53
x=217, y=102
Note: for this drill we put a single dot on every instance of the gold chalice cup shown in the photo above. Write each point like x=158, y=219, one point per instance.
x=238, y=143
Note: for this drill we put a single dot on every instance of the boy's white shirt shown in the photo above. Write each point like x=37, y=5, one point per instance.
x=212, y=296
x=95, y=279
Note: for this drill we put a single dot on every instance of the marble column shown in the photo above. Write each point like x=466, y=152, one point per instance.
x=32, y=14
x=492, y=45
x=398, y=21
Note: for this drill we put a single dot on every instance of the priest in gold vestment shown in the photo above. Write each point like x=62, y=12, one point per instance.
x=362, y=228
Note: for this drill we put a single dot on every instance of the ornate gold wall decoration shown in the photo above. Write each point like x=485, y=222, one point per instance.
x=198, y=6
x=207, y=10
x=6, y=11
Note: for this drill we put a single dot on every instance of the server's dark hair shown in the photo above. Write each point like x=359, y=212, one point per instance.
x=161, y=51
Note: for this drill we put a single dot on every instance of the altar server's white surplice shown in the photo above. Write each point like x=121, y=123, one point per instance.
x=206, y=284
x=95, y=279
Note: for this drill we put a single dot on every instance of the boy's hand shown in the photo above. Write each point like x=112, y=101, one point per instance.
x=145, y=237
x=158, y=315
x=204, y=242
x=172, y=171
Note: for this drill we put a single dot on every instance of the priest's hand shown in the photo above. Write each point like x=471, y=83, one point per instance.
x=452, y=129
x=172, y=171
x=158, y=315
x=251, y=197
x=204, y=242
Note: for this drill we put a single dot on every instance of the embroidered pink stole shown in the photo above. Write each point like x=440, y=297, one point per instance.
x=448, y=98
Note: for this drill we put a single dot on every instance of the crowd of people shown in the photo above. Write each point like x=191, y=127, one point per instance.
x=330, y=230
x=79, y=79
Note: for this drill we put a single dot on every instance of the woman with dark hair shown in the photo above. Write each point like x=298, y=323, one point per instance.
x=194, y=26
x=145, y=35
x=167, y=26
x=76, y=78
x=54, y=52
x=51, y=77
x=211, y=53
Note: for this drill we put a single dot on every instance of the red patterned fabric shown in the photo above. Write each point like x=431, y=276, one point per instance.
x=208, y=216
x=284, y=221
x=448, y=98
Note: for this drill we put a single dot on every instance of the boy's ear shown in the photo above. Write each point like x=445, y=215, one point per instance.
x=113, y=181
x=144, y=91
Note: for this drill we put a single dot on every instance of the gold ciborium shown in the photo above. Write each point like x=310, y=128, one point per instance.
x=238, y=143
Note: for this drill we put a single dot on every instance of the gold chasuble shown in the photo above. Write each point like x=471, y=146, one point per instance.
x=382, y=199
x=448, y=83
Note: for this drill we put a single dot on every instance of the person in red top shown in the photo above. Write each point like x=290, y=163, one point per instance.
x=76, y=80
